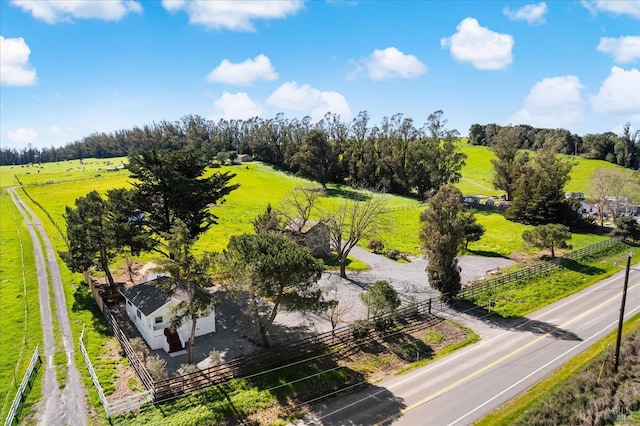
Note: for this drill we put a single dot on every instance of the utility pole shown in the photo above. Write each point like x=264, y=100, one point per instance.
x=621, y=321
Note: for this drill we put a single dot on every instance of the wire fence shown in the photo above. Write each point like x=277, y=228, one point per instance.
x=41, y=207
x=27, y=382
x=124, y=405
x=536, y=271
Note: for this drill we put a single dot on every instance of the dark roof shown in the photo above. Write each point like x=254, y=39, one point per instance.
x=294, y=225
x=148, y=297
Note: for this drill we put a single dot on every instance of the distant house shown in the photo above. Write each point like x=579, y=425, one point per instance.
x=575, y=195
x=244, y=158
x=312, y=234
x=149, y=308
x=150, y=272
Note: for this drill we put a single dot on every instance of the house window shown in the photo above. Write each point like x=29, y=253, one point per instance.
x=139, y=314
x=158, y=320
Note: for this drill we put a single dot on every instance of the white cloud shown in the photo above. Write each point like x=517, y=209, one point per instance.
x=309, y=100
x=615, y=7
x=237, y=106
x=243, y=73
x=624, y=49
x=54, y=11
x=552, y=103
x=22, y=135
x=619, y=93
x=532, y=13
x=15, y=69
x=56, y=130
x=483, y=48
x=234, y=15
x=389, y=63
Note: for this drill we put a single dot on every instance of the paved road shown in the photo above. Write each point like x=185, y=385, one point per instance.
x=465, y=386
x=66, y=406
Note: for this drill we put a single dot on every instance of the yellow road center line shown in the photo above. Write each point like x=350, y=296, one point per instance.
x=494, y=363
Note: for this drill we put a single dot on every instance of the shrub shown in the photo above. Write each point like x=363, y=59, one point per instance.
x=360, y=329
x=376, y=246
x=393, y=254
x=188, y=368
x=215, y=357
x=140, y=347
x=383, y=324
x=157, y=368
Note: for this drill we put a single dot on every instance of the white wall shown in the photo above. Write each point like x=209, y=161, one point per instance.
x=153, y=333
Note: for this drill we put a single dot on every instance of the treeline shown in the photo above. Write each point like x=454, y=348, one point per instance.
x=622, y=150
x=394, y=155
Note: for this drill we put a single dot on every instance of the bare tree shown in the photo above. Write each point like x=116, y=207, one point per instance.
x=337, y=310
x=299, y=204
x=608, y=189
x=352, y=221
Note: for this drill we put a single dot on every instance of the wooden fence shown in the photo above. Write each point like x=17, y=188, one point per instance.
x=536, y=271
x=279, y=356
x=26, y=383
x=134, y=361
x=41, y=207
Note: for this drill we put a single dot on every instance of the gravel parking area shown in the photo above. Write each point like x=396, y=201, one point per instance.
x=234, y=329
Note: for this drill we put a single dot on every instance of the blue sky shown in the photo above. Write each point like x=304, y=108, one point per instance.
x=71, y=68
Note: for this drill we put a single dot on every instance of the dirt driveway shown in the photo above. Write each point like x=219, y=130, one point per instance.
x=60, y=405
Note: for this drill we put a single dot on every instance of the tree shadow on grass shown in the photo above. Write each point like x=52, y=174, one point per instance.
x=575, y=266
x=83, y=301
x=348, y=193
x=408, y=348
x=485, y=253
x=514, y=324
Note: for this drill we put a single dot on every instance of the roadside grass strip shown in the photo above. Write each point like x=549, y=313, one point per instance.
x=528, y=295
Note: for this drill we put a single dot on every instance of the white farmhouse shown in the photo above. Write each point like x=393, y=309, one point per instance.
x=149, y=308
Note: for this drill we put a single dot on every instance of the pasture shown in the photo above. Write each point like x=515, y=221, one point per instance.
x=20, y=318
x=56, y=186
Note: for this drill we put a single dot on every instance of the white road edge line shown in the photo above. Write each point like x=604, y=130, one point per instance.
x=481, y=344
x=541, y=368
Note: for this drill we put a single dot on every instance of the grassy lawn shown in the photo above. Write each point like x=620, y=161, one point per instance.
x=477, y=174
x=20, y=317
x=519, y=299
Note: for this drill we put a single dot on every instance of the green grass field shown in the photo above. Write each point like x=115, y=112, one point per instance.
x=20, y=317
x=477, y=174
x=529, y=295
x=57, y=185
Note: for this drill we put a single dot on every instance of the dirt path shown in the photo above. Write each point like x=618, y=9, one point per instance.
x=66, y=406
x=479, y=185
